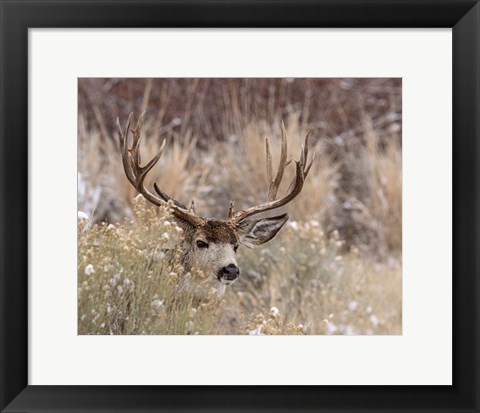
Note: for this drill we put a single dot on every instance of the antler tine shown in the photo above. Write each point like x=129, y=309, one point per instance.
x=301, y=172
x=307, y=169
x=136, y=173
x=135, y=152
x=231, y=210
x=167, y=198
x=305, y=147
x=269, y=161
x=127, y=166
x=274, y=184
x=303, y=159
x=137, y=135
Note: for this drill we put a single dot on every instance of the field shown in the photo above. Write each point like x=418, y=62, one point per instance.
x=336, y=266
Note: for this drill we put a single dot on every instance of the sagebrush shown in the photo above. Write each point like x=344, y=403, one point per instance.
x=335, y=268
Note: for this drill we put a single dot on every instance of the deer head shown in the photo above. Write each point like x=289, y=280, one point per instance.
x=210, y=245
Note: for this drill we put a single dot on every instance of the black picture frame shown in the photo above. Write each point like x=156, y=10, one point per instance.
x=17, y=16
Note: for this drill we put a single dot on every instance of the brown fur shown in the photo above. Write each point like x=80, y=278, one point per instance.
x=218, y=231
x=214, y=231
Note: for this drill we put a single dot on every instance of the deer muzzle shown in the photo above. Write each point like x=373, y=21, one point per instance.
x=228, y=274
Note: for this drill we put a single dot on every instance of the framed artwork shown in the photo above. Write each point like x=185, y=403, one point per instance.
x=237, y=206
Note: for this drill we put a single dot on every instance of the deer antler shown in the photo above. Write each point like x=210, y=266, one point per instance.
x=301, y=172
x=136, y=173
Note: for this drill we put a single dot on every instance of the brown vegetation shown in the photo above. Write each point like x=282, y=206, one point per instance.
x=336, y=269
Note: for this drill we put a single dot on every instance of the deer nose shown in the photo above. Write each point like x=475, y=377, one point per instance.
x=230, y=272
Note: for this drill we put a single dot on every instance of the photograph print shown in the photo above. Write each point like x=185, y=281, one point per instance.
x=239, y=206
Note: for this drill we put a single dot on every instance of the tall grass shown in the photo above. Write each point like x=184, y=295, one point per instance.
x=129, y=282
x=334, y=269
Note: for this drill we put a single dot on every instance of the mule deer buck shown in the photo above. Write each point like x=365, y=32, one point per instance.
x=210, y=245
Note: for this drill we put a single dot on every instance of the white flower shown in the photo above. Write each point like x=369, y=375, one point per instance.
x=82, y=216
x=157, y=304
x=374, y=320
x=331, y=328
x=256, y=332
x=274, y=311
x=293, y=225
x=165, y=237
x=114, y=280
x=108, y=268
x=189, y=326
x=89, y=270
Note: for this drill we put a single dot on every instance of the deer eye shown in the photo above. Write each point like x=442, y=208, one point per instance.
x=235, y=248
x=201, y=244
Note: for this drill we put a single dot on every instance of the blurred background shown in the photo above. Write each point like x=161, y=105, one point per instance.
x=215, y=131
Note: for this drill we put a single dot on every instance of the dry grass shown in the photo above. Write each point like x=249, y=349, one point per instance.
x=300, y=283
x=334, y=269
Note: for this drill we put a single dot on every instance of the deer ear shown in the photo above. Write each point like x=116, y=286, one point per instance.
x=257, y=232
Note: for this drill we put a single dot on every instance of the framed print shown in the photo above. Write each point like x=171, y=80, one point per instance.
x=237, y=206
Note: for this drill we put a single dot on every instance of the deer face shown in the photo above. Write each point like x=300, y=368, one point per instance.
x=212, y=247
